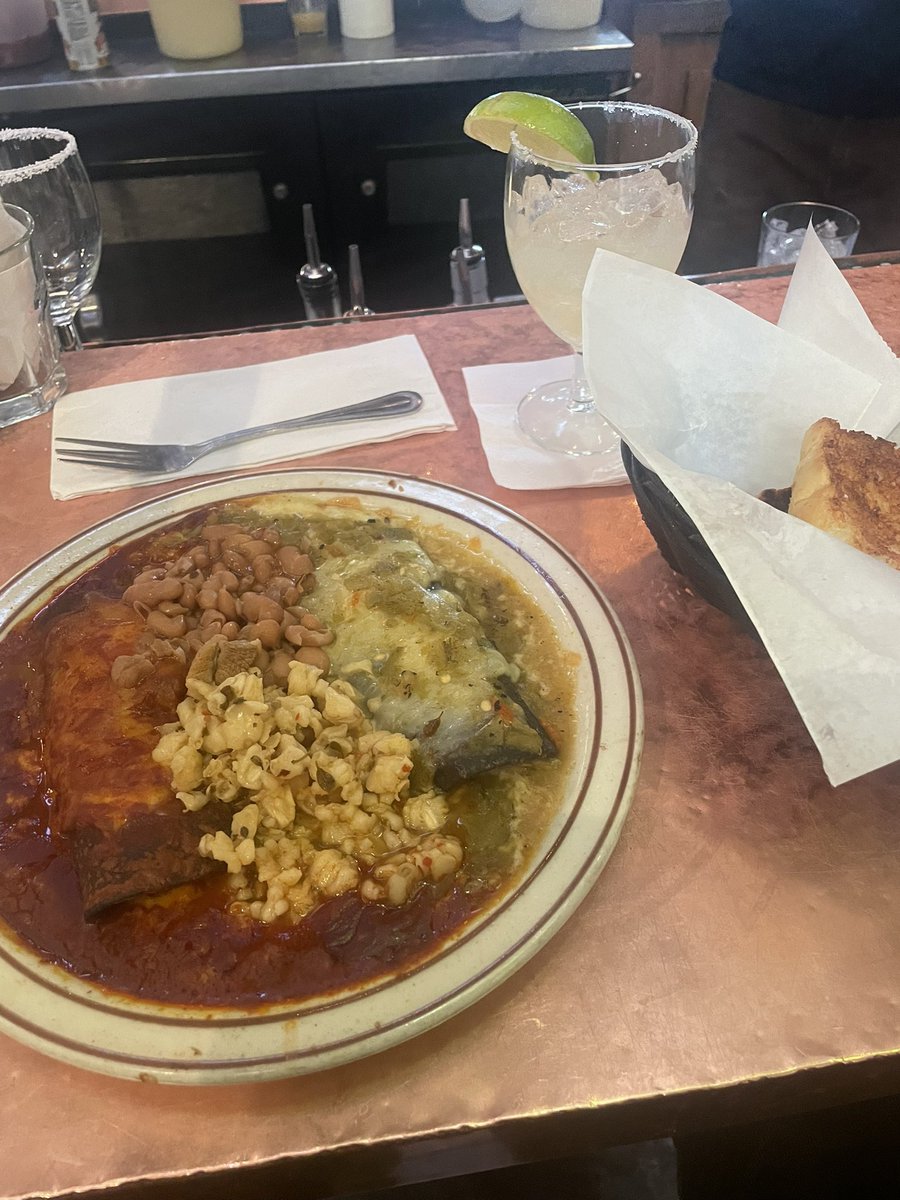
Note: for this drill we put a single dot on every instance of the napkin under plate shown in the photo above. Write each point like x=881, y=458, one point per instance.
x=192, y=408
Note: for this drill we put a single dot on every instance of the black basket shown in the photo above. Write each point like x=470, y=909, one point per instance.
x=679, y=541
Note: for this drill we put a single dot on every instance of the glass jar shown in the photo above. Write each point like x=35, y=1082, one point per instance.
x=196, y=29
x=308, y=17
x=24, y=33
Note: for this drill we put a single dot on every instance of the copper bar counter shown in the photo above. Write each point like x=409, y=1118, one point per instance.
x=739, y=957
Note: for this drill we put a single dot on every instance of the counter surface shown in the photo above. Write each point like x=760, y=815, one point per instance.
x=739, y=956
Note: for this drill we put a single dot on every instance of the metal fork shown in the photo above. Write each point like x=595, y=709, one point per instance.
x=132, y=456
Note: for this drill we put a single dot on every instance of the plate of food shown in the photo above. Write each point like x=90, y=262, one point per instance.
x=295, y=767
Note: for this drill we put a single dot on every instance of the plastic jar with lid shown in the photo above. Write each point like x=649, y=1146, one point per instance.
x=24, y=32
x=561, y=14
x=492, y=10
x=195, y=29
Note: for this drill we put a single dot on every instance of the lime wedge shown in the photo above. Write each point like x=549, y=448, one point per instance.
x=541, y=124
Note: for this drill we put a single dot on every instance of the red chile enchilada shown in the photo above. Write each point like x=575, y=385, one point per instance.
x=265, y=755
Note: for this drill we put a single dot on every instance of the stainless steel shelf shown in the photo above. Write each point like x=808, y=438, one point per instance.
x=447, y=48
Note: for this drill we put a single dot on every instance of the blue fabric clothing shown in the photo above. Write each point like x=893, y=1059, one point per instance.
x=836, y=57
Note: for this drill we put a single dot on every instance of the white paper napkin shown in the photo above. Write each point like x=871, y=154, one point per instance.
x=716, y=401
x=191, y=408
x=515, y=461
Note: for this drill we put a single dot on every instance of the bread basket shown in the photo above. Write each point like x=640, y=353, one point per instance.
x=679, y=541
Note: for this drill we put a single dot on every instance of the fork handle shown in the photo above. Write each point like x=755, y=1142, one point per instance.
x=396, y=404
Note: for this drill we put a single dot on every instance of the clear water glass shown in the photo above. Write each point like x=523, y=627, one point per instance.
x=31, y=376
x=42, y=172
x=784, y=227
x=635, y=200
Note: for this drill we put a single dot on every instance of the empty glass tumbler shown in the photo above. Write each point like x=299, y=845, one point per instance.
x=31, y=376
x=784, y=227
x=42, y=172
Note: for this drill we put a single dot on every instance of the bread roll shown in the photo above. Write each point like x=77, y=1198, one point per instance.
x=848, y=483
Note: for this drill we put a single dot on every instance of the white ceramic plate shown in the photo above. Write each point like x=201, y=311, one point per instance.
x=54, y=1012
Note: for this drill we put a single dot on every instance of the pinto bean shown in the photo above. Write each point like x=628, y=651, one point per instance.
x=268, y=632
x=315, y=637
x=308, y=621
x=291, y=596
x=273, y=593
x=208, y=596
x=182, y=566
x=263, y=567
x=194, y=639
x=251, y=547
x=294, y=561
x=235, y=561
x=280, y=666
x=260, y=608
x=129, y=670
x=272, y=536
x=150, y=574
x=209, y=632
x=234, y=541
x=167, y=627
x=200, y=557
x=153, y=591
x=170, y=609
x=189, y=595
x=307, y=583
x=218, y=533
x=165, y=647
x=225, y=604
x=314, y=657
x=211, y=616
x=222, y=577
x=231, y=630
x=295, y=634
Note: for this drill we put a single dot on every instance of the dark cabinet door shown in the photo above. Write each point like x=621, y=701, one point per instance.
x=201, y=200
x=201, y=209
x=396, y=164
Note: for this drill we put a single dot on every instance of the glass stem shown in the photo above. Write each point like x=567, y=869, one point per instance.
x=582, y=397
x=69, y=337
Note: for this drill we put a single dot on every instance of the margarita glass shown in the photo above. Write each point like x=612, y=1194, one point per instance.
x=635, y=200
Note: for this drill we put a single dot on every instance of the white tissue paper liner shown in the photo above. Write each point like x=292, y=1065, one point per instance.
x=716, y=401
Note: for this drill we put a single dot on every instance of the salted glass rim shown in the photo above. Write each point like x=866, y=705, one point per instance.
x=521, y=150
x=42, y=165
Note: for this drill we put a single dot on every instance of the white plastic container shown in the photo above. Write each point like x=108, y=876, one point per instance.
x=366, y=18
x=195, y=29
x=561, y=14
x=492, y=10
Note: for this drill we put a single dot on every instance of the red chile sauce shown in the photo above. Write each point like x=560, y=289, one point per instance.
x=183, y=947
